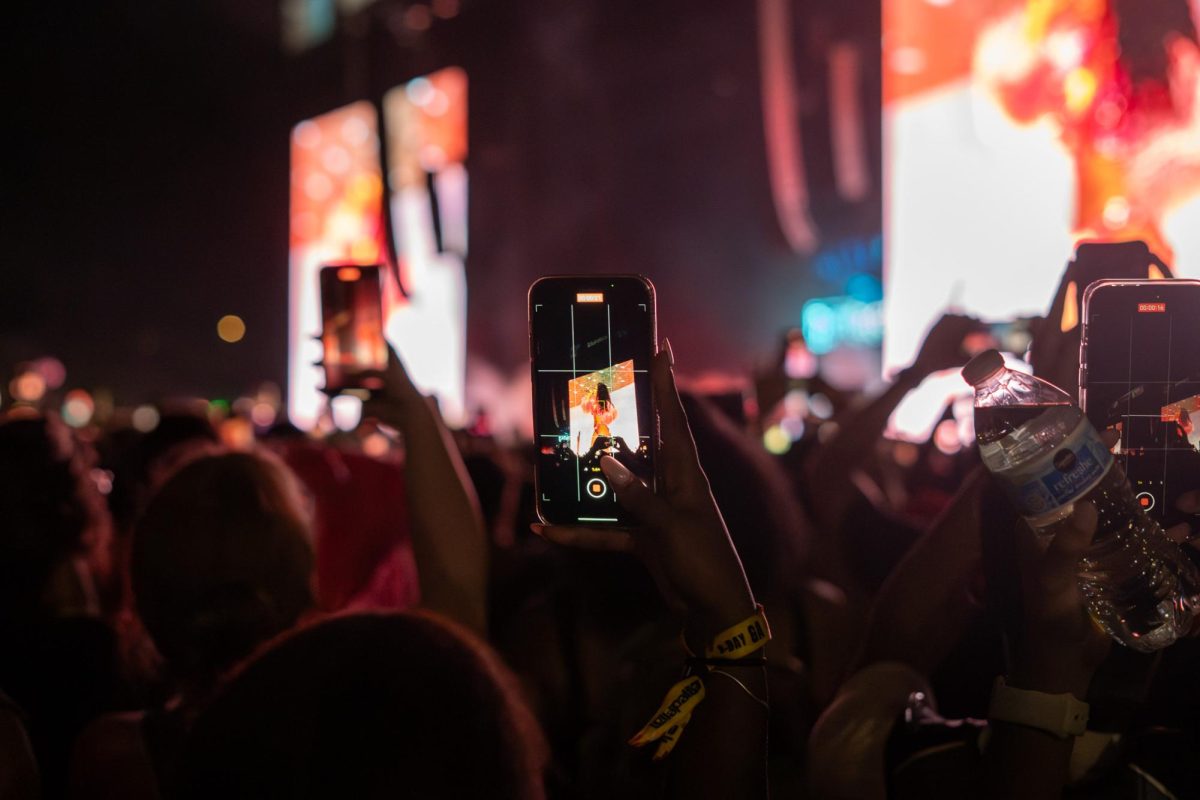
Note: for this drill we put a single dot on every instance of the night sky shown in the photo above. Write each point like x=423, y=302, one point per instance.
x=146, y=175
x=146, y=196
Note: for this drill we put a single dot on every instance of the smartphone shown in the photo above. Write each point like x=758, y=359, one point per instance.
x=1139, y=374
x=1011, y=336
x=591, y=339
x=1014, y=336
x=355, y=352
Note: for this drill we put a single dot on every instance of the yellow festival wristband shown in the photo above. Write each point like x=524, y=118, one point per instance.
x=675, y=711
x=738, y=641
x=667, y=724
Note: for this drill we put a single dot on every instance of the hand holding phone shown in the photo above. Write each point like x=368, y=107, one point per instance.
x=678, y=532
x=591, y=341
x=944, y=345
x=1011, y=336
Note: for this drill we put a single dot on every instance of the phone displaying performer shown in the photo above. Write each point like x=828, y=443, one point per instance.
x=591, y=339
x=355, y=353
x=1140, y=375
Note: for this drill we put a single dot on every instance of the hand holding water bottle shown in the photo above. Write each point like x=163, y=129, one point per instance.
x=1137, y=584
x=1060, y=647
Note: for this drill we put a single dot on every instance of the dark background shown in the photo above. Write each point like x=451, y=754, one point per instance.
x=146, y=176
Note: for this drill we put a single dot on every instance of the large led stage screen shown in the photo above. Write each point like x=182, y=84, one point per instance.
x=339, y=198
x=1014, y=129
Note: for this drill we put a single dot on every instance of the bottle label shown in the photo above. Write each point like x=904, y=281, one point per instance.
x=1062, y=476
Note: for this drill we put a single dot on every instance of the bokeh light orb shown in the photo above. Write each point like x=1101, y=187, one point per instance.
x=376, y=445
x=78, y=408
x=145, y=418
x=262, y=414
x=231, y=328
x=777, y=440
x=28, y=387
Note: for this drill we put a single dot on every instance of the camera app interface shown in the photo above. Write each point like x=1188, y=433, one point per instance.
x=591, y=357
x=1144, y=381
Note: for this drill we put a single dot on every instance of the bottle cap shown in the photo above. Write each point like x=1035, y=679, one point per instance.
x=982, y=367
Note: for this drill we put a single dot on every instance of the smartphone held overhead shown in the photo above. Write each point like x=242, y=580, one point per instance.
x=354, y=352
x=1139, y=378
x=591, y=341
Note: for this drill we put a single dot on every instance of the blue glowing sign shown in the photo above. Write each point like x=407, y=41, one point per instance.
x=831, y=322
x=843, y=260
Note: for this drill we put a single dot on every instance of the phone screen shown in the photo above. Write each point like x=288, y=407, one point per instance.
x=591, y=340
x=352, y=328
x=1141, y=377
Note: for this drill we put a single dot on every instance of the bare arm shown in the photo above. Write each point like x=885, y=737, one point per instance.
x=829, y=468
x=925, y=605
x=723, y=754
x=449, y=538
x=917, y=616
x=1059, y=651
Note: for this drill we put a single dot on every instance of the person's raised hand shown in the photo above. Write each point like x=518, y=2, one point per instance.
x=448, y=535
x=943, y=345
x=1060, y=646
x=679, y=532
x=399, y=393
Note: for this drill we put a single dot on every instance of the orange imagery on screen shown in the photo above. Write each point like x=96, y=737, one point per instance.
x=341, y=204
x=616, y=377
x=603, y=412
x=603, y=406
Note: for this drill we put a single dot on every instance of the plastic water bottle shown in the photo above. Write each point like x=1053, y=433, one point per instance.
x=1138, y=585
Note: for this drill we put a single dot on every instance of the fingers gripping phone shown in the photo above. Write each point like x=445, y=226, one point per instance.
x=591, y=339
x=1140, y=375
x=355, y=353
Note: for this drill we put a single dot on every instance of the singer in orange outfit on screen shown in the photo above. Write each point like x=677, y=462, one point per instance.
x=603, y=412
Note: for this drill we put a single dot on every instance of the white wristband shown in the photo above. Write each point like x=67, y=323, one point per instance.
x=1062, y=715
